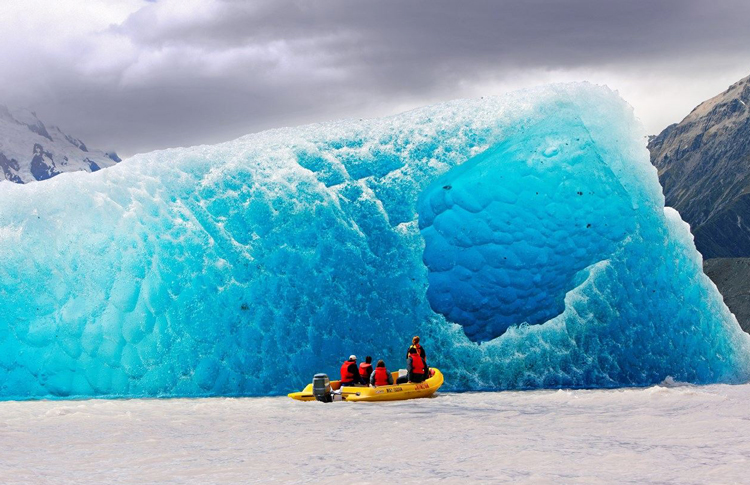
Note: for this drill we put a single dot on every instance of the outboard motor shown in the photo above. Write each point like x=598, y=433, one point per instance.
x=322, y=388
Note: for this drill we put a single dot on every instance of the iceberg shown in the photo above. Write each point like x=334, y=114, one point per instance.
x=523, y=237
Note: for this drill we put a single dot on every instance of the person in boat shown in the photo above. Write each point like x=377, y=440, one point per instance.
x=350, y=373
x=415, y=345
x=365, y=369
x=420, y=351
x=381, y=376
x=415, y=366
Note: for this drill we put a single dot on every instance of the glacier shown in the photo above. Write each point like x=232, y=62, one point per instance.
x=524, y=237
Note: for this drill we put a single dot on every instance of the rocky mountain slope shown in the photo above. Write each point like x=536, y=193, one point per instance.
x=731, y=276
x=704, y=167
x=30, y=151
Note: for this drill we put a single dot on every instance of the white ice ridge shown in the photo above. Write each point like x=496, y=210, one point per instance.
x=524, y=237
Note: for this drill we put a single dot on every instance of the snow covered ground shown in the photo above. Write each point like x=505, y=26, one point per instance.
x=660, y=434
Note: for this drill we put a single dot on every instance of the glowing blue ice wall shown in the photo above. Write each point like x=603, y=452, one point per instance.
x=523, y=237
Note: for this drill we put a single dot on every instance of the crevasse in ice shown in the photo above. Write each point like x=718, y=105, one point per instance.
x=524, y=237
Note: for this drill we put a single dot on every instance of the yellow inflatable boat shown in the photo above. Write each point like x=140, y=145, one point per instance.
x=323, y=390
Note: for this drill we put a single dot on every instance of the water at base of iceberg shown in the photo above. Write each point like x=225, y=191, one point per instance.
x=524, y=237
x=684, y=434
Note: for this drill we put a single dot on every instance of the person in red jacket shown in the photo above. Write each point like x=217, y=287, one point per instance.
x=415, y=366
x=365, y=369
x=421, y=352
x=381, y=376
x=350, y=374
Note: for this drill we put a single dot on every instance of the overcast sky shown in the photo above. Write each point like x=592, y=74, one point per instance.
x=136, y=75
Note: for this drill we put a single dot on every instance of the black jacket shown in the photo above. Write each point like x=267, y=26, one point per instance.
x=421, y=353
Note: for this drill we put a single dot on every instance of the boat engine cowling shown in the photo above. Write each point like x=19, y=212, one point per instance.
x=321, y=387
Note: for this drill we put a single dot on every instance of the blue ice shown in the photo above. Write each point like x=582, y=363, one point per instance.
x=523, y=237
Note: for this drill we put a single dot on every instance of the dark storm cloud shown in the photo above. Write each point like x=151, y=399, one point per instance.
x=219, y=69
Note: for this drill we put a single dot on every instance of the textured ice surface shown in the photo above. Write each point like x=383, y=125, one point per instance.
x=508, y=232
x=523, y=237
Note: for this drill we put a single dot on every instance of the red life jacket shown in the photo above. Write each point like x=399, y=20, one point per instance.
x=365, y=370
x=346, y=376
x=417, y=364
x=381, y=376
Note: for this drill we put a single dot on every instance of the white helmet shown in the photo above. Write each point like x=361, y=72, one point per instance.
x=352, y=357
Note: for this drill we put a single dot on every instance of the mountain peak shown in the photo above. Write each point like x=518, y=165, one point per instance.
x=31, y=151
x=735, y=100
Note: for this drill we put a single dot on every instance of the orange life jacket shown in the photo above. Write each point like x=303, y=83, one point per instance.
x=365, y=370
x=417, y=364
x=381, y=376
x=346, y=376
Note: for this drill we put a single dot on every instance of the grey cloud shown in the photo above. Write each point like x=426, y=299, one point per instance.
x=520, y=32
x=286, y=62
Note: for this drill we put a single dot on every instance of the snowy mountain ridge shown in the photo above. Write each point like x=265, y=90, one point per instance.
x=30, y=151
